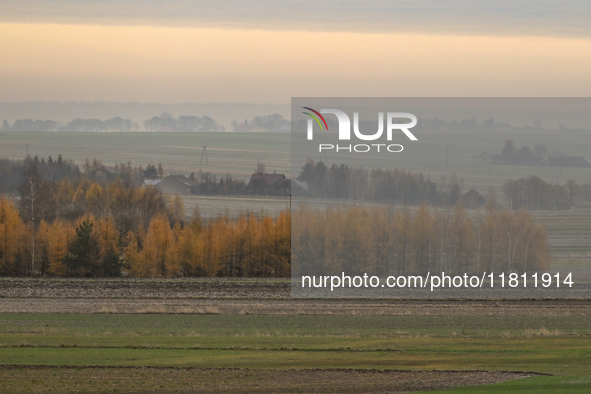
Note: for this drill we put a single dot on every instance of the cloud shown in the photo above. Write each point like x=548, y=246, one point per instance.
x=463, y=17
x=53, y=62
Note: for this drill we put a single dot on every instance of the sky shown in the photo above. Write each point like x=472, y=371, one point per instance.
x=264, y=51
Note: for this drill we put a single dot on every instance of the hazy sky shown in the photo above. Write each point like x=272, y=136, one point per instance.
x=268, y=51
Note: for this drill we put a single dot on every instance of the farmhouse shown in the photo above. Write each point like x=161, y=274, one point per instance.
x=176, y=184
x=275, y=184
x=265, y=179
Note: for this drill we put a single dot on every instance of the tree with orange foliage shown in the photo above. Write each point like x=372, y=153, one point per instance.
x=11, y=227
x=108, y=238
x=156, y=247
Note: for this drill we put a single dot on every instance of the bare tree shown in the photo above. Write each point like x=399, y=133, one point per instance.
x=29, y=193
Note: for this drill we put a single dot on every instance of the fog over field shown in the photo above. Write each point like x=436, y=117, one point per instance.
x=64, y=112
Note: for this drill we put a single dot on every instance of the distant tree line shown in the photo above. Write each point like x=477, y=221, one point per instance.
x=538, y=156
x=14, y=172
x=399, y=186
x=31, y=125
x=389, y=241
x=88, y=125
x=209, y=184
x=164, y=122
x=383, y=186
x=511, y=155
x=111, y=125
x=442, y=125
x=272, y=123
x=534, y=193
x=12, y=175
x=423, y=124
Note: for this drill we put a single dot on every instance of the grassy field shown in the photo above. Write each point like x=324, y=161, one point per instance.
x=211, y=206
x=234, y=153
x=556, y=346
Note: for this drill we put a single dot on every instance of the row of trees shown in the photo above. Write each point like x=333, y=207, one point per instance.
x=130, y=207
x=92, y=246
x=58, y=188
x=355, y=240
x=534, y=193
x=400, y=186
x=110, y=125
x=510, y=155
x=14, y=172
x=272, y=123
x=114, y=124
x=522, y=156
x=424, y=124
x=209, y=184
x=164, y=122
x=65, y=223
x=248, y=246
x=30, y=125
x=385, y=241
x=383, y=186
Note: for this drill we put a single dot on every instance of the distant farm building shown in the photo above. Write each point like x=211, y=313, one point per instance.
x=275, y=184
x=177, y=184
x=104, y=173
x=152, y=182
x=568, y=161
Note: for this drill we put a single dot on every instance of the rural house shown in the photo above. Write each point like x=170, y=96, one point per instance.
x=275, y=184
x=177, y=184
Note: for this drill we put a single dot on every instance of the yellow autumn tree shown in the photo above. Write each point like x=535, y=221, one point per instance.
x=96, y=201
x=155, y=247
x=108, y=241
x=190, y=259
x=11, y=228
x=421, y=240
x=172, y=264
x=176, y=209
x=133, y=258
x=61, y=234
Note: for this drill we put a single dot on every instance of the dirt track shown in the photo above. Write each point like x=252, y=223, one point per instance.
x=242, y=297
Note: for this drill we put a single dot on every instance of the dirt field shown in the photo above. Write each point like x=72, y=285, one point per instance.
x=243, y=297
x=239, y=380
x=145, y=288
x=161, y=336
